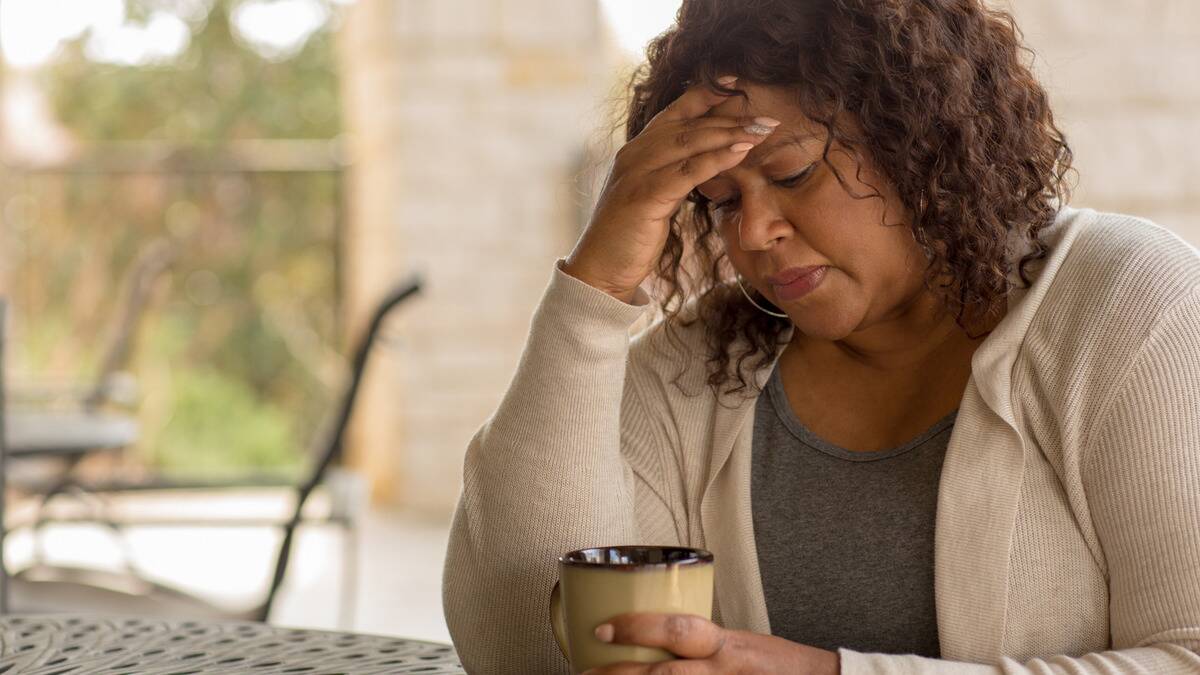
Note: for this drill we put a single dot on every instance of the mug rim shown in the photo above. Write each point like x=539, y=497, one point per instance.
x=699, y=557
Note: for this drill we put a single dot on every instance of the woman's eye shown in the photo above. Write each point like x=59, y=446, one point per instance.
x=724, y=204
x=789, y=182
x=792, y=181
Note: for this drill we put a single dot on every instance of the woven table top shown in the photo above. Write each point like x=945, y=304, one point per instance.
x=54, y=644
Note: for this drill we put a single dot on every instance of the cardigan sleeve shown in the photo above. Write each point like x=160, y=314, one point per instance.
x=1142, y=482
x=547, y=473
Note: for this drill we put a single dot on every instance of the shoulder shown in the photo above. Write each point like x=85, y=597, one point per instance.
x=1119, y=280
x=1121, y=273
x=1129, y=257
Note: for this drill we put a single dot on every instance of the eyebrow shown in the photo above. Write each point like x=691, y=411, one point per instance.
x=772, y=145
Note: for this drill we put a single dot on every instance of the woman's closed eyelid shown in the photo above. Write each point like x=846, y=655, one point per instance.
x=791, y=181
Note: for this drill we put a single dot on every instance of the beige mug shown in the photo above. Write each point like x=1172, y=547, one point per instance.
x=596, y=584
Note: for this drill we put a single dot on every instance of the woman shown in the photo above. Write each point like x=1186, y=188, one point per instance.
x=927, y=417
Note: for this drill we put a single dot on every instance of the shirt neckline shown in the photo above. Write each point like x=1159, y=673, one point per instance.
x=783, y=410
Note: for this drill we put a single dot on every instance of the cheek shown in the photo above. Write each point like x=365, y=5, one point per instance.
x=837, y=309
x=728, y=235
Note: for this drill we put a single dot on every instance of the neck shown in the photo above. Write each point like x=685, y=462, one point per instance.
x=919, y=333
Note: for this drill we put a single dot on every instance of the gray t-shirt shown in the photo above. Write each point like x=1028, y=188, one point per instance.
x=845, y=539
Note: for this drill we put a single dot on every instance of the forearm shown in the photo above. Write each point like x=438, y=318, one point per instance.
x=544, y=475
x=1160, y=659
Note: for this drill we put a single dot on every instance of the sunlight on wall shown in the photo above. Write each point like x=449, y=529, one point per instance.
x=636, y=21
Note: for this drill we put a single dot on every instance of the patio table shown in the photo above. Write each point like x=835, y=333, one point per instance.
x=39, y=433
x=44, y=644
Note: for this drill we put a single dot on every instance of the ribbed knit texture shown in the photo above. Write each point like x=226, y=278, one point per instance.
x=1068, y=522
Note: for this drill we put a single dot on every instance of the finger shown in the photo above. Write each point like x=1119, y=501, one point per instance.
x=622, y=668
x=681, y=667
x=697, y=100
x=682, y=141
x=705, y=122
x=685, y=635
x=676, y=180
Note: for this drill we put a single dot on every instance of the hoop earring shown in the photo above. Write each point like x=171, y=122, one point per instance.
x=738, y=277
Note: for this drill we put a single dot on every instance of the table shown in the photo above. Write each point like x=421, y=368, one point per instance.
x=45, y=433
x=67, y=436
x=43, y=644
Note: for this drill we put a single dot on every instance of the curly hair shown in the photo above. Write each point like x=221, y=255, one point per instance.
x=941, y=101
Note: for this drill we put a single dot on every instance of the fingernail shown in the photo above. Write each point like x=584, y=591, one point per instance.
x=741, y=147
x=604, y=632
x=759, y=129
x=726, y=81
x=767, y=121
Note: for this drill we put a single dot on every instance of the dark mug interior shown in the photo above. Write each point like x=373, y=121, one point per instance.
x=637, y=556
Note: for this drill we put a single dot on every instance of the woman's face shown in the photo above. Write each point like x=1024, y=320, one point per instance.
x=873, y=272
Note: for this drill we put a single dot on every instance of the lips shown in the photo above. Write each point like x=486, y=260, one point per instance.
x=791, y=274
x=809, y=279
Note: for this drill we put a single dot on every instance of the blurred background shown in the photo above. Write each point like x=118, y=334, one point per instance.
x=203, y=202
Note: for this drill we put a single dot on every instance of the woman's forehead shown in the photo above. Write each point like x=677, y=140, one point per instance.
x=769, y=101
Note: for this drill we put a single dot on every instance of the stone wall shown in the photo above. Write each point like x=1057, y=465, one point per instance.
x=1123, y=80
x=468, y=121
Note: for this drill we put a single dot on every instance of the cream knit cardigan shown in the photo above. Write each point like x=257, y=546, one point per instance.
x=1068, y=516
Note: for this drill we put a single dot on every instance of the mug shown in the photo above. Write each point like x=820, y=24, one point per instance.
x=596, y=584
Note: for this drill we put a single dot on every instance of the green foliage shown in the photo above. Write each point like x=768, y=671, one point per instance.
x=206, y=405
x=219, y=89
x=235, y=352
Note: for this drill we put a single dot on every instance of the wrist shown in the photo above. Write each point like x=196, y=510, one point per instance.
x=625, y=296
x=824, y=661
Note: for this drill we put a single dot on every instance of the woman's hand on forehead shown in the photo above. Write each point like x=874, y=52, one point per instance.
x=650, y=177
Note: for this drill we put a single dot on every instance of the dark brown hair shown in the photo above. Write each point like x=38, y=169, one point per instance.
x=942, y=103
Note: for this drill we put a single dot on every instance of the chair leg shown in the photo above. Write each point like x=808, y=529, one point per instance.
x=64, y=483
x=100, y=507
x=349, y=600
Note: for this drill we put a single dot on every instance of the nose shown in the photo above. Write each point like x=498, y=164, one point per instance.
x=761, y=225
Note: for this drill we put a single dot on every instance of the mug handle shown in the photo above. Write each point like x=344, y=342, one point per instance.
x=558, y=621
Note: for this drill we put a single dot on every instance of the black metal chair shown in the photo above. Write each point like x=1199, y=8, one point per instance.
x=109, y=384
x=46, y=588
x=65, y=424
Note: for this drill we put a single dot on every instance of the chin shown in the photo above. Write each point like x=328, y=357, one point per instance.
x=822, y=332
x=820, y=325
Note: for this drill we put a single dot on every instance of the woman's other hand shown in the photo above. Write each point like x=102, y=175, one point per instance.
x=652, y=174
x=704, y=647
